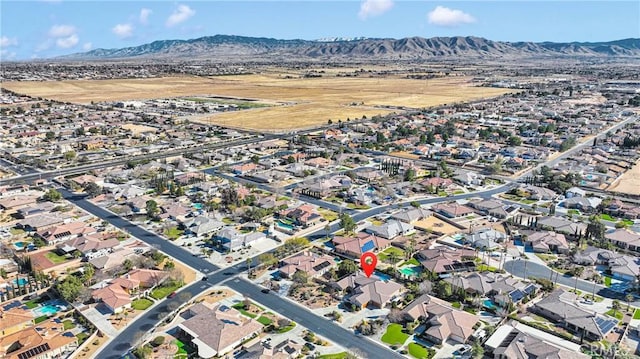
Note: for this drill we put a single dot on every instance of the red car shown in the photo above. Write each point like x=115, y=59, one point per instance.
x=173, y=294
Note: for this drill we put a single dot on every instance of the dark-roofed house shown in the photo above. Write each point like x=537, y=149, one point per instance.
x=441, y=260
x=218, y=330
x=311, y=263
x=502, y=289
x=441, y=321
x=559, y=307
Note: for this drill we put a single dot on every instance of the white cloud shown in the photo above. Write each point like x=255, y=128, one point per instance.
x=443, y=16
x=144, y=15
x=87, y=46
x=370, y=8
x=5, y=41
x=179, y=15
x=62, y=31
x=123, y=31
x=67, y=42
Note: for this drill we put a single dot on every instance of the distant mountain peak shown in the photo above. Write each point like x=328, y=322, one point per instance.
x=234, y=47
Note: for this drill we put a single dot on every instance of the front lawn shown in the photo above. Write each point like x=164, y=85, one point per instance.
x=40, y=319
x=617, y=314
x=394, y=335
x=264, y=320
x=412, y=261
x=626, y=222
x=607, y=281
x=240, y=307
x=384, y=255
x=636, y=314
x=173, y=232
x=68, y=324
x=547, y=257
x=418, y=351
x=485, y=268
x=82, y=337
x=357, y=206
x=164, y=290
x=573, y=211
x=141, y=304
x=342, y=355
x=287, y=328
x=607, y=217
x=55, y=258
x=329, y=216
x=528, y=201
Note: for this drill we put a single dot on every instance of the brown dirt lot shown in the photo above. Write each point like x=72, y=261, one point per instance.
x=629, y=182
x=309, y=101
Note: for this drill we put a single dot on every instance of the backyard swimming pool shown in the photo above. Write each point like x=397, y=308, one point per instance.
x=489, y=304
x=20, y=281
x=286, y=226
x=197, y=205
x=412, y=271
x=47, y=310
x=19, y=245
x=382, y=276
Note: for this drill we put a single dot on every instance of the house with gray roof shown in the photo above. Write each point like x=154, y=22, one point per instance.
x=584, y=204
x=231, y=239
x=503, y=289
x=559, y=306
x=485, y=239
x=548, y=241
x=369, y=292
x=561, y=225
x=202, y=225
x=518, y=341
x=490, y=207
x=391, y=229
x=412, y=215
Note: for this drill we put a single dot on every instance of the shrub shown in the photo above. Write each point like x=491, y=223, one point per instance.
x=157, y=341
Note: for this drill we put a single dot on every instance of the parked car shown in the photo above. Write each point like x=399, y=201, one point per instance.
x=173, y=294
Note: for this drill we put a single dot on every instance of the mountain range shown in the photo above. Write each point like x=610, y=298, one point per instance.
x=260, y=48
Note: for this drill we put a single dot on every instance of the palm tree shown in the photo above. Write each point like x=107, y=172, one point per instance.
x=615, y=305
x=393, y=258
x=628, y=298
x=249, y=262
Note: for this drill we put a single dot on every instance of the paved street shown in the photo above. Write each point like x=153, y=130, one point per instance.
x=517, y=268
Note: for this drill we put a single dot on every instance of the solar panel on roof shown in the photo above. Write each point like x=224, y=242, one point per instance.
x=369, y=245
x=34, y=351
x=516, y=295
x=530, y=289
x=605, y=324
x=321, y=266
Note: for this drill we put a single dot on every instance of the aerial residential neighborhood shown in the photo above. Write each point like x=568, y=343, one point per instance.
x=217, y=197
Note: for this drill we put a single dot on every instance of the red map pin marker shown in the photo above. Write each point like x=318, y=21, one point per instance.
x=368, y=263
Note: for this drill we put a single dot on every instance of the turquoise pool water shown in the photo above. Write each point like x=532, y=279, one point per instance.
x=489, y=304
x=284, y=225
x=20, y=281
x=19, y=245
x=412, y=271
x=382, y=276
x=457, y=236
x=197, y=205
x=47, y=310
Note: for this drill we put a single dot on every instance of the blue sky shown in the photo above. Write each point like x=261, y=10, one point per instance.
x=41, y=29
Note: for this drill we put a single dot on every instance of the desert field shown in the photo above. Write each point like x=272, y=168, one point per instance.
x=629, y=182
x=302, y=102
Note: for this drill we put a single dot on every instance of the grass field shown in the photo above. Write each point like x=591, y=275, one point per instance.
x=617, y=314
x=141, y=304
x=418, y=351
x=636, y=314
x=394, y=335
x=163, y=291
x=333, y=356
x=298, y=102
x=55, y=258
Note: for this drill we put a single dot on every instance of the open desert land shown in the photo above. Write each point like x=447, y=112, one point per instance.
x=309, y=101
x=629, y=182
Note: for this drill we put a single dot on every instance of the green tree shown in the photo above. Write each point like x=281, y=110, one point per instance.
x=300, y=277
x=87, y=273
x=628, y=298
x=410, y=175
x=152, y=208
x=52, y=195
x=514, y=141
x=50, y=135
x=346, y=267
x=169, y=265
x=615, y=305
x=92, y=189
x=70, y=288
x=127, y=264
x=347, y=223
x=267, y=259
x=69, y=155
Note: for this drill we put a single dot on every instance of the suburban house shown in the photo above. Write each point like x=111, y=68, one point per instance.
x=490, y=207
x=114, y=259
x=441, y=321
x=559, y=307
x=314, y=265
x=44, y=340
x=501, y=288
x=625, y=239
x=369, y=292
x=216, y=331
x=594, y=256
x=517, y=341
x=175, y=211
x=452, y=210
x=41, y=221
x=575, y=192
x=485, y=239
x=561, y=225
x=547, y=241
x=202, y=225
x=362, y=242
x=391, y=229
x=287, y=349
x=538, y=193
x=442, y=260
x=231, y=239
x=304, y=215
x=65, y=232
x=467, y=178
x=91, y=246
x=14, y=319
x=412, y=215
x=13, y=203
x=117, y=295
x=624, y=267
x=584, y=204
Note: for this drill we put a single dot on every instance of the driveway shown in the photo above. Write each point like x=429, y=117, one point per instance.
x=100, y=321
